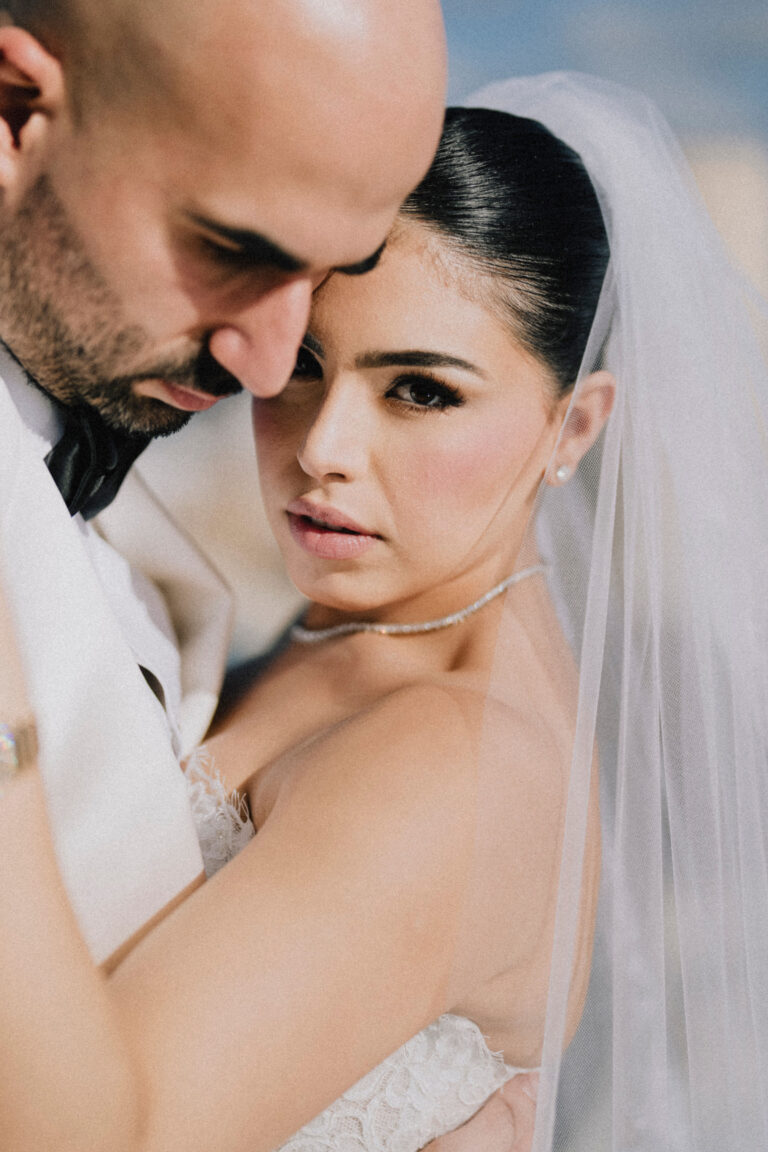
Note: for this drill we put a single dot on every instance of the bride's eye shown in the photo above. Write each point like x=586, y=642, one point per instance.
x=307, y=366
x=425, y=393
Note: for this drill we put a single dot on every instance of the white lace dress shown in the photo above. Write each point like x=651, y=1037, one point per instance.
x=428, y=1087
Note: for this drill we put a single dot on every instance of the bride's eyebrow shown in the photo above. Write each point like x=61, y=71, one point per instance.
x=412, y=358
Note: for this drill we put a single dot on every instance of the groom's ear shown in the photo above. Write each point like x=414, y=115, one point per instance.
x=32, y=96
x=584, y=414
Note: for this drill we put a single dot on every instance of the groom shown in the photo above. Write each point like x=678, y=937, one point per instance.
x=175, y=179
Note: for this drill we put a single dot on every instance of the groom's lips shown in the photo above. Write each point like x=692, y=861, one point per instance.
x=176, y=395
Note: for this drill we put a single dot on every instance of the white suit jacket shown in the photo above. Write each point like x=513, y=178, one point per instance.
x=117, y=799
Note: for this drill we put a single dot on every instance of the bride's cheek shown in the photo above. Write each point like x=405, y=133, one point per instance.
x=462, y=474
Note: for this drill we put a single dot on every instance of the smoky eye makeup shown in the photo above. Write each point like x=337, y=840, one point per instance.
x=414, y=389
x=422, y=392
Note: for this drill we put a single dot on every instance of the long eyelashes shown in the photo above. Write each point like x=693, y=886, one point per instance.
x=424, y=393
x=416, y=391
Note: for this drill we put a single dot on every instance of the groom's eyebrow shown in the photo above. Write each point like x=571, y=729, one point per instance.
x=263, y=252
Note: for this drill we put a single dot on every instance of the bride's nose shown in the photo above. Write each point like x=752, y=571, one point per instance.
x=338, y=441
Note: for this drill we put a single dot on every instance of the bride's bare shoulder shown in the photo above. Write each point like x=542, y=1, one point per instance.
x=425, y=746
x=404, y=733
x=392, y=803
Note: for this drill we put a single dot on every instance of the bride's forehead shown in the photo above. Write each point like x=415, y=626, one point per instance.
x=420, y=284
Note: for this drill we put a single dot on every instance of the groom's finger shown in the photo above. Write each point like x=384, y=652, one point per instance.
x=519, y=1095
x=504, y=1124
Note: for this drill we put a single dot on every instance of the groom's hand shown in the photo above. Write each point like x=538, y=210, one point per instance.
x=504, y=1124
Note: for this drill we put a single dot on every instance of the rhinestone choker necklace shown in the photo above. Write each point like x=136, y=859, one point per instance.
x=316, y=635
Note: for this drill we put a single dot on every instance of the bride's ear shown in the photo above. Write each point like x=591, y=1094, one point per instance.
x=587, y=412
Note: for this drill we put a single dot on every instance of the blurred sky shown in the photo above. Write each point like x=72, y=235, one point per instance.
x=705, y=62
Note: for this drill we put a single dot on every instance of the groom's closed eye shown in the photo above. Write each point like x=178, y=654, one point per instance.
x=364, y=266
x=244, y=247
x=247, y=248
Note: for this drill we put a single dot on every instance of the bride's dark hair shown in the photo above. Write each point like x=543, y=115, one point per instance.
x=517, y=203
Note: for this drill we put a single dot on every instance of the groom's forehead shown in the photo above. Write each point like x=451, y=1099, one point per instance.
x=135, y=50
x=307, y=121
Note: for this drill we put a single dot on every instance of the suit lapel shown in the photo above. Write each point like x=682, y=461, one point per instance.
x=117, y=799
x=198, y=600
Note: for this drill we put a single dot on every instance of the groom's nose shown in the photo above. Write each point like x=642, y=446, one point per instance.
x=259, y=345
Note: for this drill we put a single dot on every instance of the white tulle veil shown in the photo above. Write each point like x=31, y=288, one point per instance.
x=658, y=550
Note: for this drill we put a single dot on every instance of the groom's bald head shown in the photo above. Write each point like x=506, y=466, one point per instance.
x=131, y=51
x=350, y=86
x=176, y=175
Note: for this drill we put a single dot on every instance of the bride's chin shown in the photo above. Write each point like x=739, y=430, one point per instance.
x=325, y=611
x=330, y=601
x=329, y=605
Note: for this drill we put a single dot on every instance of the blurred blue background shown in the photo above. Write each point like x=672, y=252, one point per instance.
x=705, y=62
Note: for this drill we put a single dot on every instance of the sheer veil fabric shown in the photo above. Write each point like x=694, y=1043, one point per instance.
x=658, y=555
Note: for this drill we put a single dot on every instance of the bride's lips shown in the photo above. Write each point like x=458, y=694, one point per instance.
x=178, y=396
x=325, y=532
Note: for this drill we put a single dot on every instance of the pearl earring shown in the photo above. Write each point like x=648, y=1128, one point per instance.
x=563, y=473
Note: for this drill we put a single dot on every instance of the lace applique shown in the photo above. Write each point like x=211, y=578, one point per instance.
x=431, y=1085
x=221, y=818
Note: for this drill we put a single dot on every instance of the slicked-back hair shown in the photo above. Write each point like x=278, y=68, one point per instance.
x=517, y=203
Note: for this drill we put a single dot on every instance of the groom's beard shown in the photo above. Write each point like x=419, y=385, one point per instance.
x=121, y=408
x=62, y=322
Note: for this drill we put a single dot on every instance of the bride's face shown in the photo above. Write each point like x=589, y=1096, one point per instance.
x=399, y=466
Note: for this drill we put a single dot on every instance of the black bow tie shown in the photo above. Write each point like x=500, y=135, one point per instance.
x=91, y=460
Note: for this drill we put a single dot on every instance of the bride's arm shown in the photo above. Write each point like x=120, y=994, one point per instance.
x=68, y=1081
x=326, y=944
x=254, y=1005
x=321, y=948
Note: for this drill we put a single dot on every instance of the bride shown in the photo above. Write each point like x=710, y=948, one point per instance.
x=493, y=475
